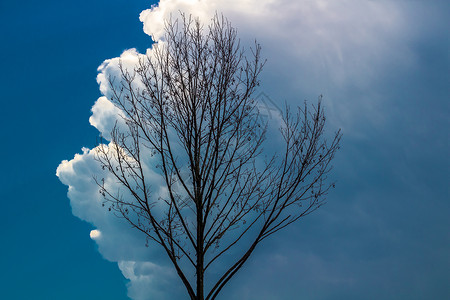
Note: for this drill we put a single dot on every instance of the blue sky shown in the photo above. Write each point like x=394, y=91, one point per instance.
x=383, y=68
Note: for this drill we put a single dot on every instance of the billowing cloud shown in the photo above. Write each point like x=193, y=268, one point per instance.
x=342, y=49
x=313, y=47
x=116, y=241
x=150, y=281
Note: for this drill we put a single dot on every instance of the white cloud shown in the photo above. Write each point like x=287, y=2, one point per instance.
x=116, y=242
x=109, y=69
x=147, y=276
x=104, y=116
x=95, y=234
x=313, y=47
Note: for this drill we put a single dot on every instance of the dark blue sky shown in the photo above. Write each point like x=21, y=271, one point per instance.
x=50, y=52
x=385, y=233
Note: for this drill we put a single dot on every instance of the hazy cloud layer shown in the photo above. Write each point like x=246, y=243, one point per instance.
x=360, y=55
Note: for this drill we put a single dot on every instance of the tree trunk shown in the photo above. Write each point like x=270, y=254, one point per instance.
x=200, y=254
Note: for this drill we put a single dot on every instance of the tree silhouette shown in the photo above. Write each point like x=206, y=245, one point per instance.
x=190, y=107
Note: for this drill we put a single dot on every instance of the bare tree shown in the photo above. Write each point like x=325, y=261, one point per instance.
x=190, y=106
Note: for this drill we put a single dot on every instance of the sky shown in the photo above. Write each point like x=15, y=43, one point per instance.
x=383, y=69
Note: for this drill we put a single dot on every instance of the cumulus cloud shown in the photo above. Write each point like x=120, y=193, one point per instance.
x=110, y=70
x=312, y=47
x=105, y=116
x=342, y=36
x=116, y=241
x=150, y=281
x=88, y=204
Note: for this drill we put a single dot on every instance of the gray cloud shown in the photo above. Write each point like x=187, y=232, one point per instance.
x=383, y=68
